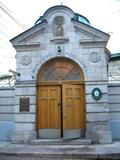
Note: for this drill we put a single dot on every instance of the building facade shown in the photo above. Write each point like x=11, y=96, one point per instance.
x=63, y=91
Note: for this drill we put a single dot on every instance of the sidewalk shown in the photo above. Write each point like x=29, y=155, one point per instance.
x=10, y=151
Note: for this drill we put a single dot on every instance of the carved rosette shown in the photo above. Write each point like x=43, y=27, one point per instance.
x=94, y=57
x=25, y=60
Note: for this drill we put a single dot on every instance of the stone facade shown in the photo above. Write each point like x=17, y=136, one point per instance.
x=77, y=41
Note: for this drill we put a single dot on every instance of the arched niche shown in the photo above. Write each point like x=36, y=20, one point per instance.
x=58, y=26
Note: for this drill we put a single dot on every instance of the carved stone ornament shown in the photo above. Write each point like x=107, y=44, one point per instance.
x=59, y=30
x=26, y=60
x=94, y=57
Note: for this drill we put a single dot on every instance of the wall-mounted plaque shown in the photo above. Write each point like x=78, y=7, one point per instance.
x=24, y=104
x=96, y=94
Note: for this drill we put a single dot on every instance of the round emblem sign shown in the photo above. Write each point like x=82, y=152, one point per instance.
x=96, y=93
x=95, y=57
x=26, y=60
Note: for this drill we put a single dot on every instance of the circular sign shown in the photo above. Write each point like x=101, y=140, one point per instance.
x=96, y=93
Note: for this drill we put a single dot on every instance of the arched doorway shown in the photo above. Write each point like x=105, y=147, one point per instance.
x=60, y=100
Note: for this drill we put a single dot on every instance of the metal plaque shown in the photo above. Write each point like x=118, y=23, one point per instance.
x=24, y=104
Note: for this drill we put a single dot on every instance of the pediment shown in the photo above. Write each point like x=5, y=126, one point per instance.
x=88, y=33
x=30, y=36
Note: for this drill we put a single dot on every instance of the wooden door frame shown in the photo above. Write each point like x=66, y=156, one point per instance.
x=48, y=83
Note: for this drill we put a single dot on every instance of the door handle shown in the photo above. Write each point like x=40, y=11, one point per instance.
x=64, y=115
x=68, y=105
x=59, y=105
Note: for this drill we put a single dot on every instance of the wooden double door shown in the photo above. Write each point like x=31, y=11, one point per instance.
x=60, y=111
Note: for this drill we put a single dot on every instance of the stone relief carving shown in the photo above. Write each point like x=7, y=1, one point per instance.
x=25, y=60
x=48, y=56
x=58, y=26
x=94, y=57
x=59, y=30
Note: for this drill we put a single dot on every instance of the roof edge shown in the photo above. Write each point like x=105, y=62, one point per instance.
x=55, y=7
x=73, y=19
x=115, y=56
x=11, y=40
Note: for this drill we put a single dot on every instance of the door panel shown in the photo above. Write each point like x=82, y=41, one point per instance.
x=49, y=111
x=73, y=111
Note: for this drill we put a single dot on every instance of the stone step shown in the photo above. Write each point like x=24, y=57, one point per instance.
x=60, y=142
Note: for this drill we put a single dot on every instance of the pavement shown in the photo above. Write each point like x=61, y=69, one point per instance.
x=9, y=151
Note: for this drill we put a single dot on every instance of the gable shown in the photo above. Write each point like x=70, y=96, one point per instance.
x=29, y=35
x=84, y=32
x=89, y=33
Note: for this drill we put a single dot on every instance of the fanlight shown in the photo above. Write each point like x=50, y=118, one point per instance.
x=60, y=70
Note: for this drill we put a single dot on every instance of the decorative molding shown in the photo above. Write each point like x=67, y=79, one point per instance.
x=49, y=56
x=25, y=60
x=82, y=41
x=40, y=28
x=59, y=40
x=89, y=43
x=30, y=44
x=94, y=57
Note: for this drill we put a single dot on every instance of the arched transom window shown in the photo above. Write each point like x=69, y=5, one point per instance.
x=60, y=70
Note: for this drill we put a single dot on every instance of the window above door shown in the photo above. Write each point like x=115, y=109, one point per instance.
x=60, y=69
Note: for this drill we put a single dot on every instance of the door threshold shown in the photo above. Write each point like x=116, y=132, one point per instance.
x=80, y=141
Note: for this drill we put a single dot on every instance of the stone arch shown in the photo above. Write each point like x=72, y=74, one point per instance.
x=60, y=91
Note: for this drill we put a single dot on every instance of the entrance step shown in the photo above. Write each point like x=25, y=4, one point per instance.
x=60, y=142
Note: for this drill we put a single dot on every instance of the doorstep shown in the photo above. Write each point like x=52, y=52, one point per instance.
x=60, y=142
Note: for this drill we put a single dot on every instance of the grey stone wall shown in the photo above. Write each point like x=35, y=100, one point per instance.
x=8, y=107
x=6, y=113
x=97, y=114
x=25, y=121
x=114, y=109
